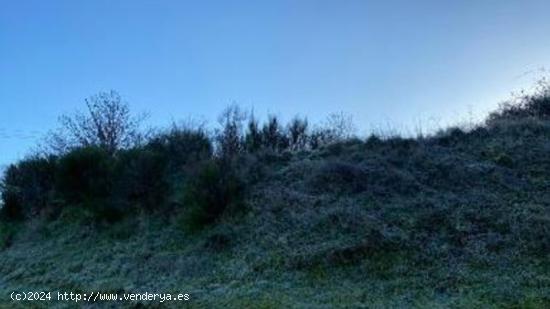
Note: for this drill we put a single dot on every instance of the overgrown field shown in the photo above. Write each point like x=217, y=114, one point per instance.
x=460, y=219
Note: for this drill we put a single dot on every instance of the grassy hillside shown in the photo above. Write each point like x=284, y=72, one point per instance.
x=459, y=220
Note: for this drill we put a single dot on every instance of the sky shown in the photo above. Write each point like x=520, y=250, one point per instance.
x=389, y=63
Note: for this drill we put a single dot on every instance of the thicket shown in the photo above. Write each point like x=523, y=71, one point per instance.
x=27, y=187
x=103, y=162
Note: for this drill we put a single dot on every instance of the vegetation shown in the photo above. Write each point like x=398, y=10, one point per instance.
x=107, y=123
x=27, y=187
x=272, y=215
x=212, y=191
x=526, y=105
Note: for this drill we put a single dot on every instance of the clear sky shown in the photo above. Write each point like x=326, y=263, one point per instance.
x=396, y=62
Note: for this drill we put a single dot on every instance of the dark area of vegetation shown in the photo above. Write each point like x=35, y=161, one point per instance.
x=294, y=211
x=103, y=162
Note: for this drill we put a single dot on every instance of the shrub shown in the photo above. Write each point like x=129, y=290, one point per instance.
x=336, y=128
x=253, y=135
x=316, y=139
x=230, y=139
x=273, y=135
x=181, y=145
x=525, y=105
x=140, y=178
x=450, y=136
x=85, y=177
x=12, y=206
x=212, y=191
x=297, y=133
x=11, y=201
x=27, y=187
x=374, y=141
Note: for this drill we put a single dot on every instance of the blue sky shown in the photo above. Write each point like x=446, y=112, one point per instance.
x=386, y=62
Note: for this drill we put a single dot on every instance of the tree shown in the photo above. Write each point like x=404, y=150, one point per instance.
x=230, y=138
x=340, y=126
x=106, y=122
x=297, y=133
x=273, y=134
x=337, y=127
x=253, y=136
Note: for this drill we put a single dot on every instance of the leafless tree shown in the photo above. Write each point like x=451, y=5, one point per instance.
x=337, y=127
x=340, y=126
x=106, y=122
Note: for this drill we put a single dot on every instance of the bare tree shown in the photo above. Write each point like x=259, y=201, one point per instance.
x=337, y=127
x=340, y=126
x=107, y=123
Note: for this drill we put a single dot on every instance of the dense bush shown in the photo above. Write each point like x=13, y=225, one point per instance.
x=214, y=189
x=12, y=208
x=27, y=187
x=105, y=183
x=85, y=177
x=297, y=130
x=104, y=164
x=140, y=178
x=274, y=136
x=253, y=135
x=181, y=146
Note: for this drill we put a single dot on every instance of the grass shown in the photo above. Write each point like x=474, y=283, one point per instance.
x=459, y=220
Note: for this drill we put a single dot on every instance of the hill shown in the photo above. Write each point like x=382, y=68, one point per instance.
x=458, y=219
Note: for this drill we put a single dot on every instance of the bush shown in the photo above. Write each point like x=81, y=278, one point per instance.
x=253, y=136
x=297, y=133
x=374, y=141
x=212, y=191
x=336, y=128
x=85, y=177
x=535, y=105
x=181, y=145
x=230, y=139
x=273, y=135
x=27, y=187
x=141, y=178
x=450, y=136
x=12, y=208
